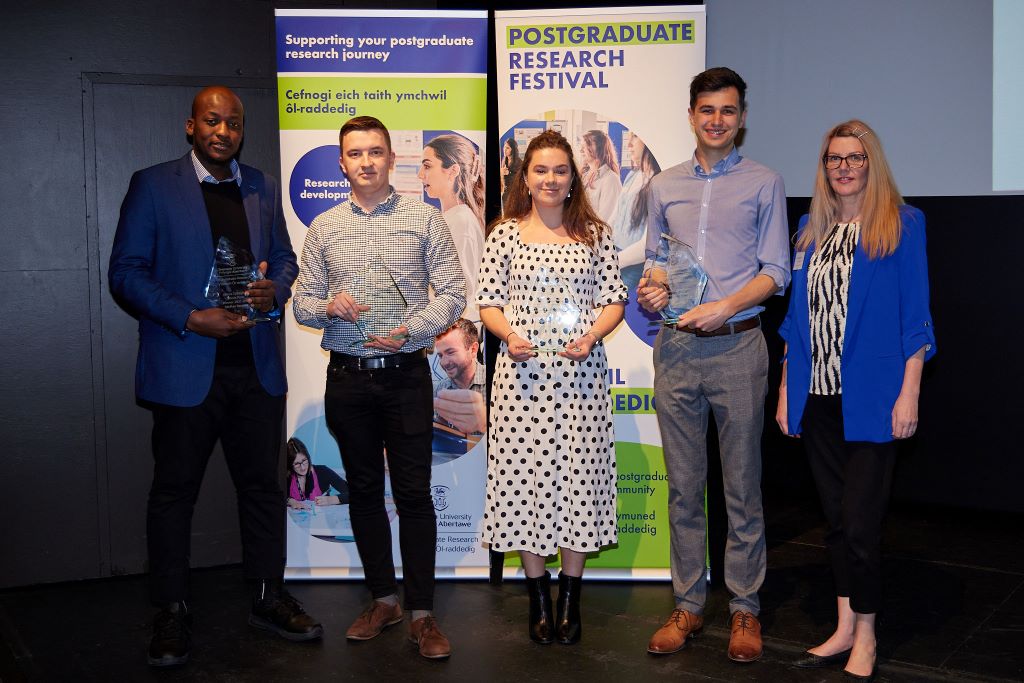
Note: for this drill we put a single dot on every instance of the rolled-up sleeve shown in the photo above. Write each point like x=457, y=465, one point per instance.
x=773, y=234
x=916, y=327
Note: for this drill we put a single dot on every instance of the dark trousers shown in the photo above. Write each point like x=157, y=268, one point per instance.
x=853, y=480
x=247, y=420
x=370, y=411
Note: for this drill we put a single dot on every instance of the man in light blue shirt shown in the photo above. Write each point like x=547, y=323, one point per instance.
x=732, y=213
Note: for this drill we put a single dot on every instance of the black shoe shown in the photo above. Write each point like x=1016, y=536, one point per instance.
x=568, y=628
x=813, y=661
x=274, y=609
x=172, y=636
x=858, y=677
x=541, y=624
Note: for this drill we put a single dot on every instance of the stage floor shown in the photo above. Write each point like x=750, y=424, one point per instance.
x=954, y=612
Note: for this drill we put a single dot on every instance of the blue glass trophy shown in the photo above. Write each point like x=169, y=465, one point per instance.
x=376, y=287
x=676, y=269
x=552, y=314
x=233, y=270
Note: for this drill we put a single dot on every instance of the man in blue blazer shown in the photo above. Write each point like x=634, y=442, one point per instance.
x=206, y=372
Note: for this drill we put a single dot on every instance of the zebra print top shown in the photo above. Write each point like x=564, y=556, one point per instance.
x=828, y=288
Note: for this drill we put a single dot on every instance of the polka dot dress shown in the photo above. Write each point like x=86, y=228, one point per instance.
x=551, y=452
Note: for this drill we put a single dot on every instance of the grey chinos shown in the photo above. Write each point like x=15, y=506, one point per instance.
x=728, y=375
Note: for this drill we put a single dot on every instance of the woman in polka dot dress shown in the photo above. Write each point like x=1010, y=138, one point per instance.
x=550, y=288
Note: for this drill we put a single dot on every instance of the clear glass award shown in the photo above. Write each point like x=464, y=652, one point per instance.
x=553, y=314
x=676, y=269
x=375, y=286
x=233, y=270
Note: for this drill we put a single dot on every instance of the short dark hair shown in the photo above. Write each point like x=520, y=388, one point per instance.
x=363, y=123
x=715, y=79
x=470, y=334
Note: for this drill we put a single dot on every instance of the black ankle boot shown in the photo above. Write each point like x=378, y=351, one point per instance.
x=541, y=624
x=568, y=628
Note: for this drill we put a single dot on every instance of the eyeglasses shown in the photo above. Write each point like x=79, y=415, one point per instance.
x=297, y=463
x=834, y=161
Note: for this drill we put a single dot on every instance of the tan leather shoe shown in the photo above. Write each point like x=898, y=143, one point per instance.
x=671, y=637
x=373, y=620
x=745, y=641
x=428, y=637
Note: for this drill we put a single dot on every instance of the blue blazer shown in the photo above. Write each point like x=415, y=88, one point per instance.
x=160, y=264
x=888, y=321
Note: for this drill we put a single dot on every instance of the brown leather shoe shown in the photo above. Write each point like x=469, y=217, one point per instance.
x=671, y=637
x=745, y=641
x=373, y=620
x=428, y=637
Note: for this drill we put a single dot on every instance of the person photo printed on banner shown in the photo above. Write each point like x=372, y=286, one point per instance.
x=510, y=162
x=451, y=171
x=310, y=484
x=629, y=223
x=460, y=391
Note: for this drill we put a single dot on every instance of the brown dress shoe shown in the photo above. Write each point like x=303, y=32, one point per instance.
x=428, y=637
x=745, y=641
x=671, y=637
x=373, y=620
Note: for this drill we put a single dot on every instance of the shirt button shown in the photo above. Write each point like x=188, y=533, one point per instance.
x=704, y=204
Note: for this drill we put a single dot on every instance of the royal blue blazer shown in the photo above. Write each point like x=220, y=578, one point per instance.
x=888, y=321
x=160, y=264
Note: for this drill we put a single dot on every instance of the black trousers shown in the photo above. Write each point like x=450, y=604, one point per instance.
x=370, y=412
x=853, y=479
x=247, y=420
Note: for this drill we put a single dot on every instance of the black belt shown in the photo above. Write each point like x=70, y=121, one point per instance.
x=728, y=328
x=395, y=360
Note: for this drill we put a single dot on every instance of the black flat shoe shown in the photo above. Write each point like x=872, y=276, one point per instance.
x=858, y=677
x=812, y=661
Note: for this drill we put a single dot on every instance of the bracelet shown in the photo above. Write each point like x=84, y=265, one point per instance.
x=509, y=335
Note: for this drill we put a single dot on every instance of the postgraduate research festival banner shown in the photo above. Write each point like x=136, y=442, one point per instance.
x=424, y=75
x=614, y=78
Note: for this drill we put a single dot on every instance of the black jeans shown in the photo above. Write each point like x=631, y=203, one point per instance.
x=853, y=480
x=247, y=420
x=370, y=412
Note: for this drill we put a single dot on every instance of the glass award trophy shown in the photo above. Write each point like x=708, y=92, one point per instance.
x=233, y=270
x=553, y=314
x=675, y=269
x=375, y=286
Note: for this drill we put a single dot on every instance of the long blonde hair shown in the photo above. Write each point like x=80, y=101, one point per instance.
x=880, y=211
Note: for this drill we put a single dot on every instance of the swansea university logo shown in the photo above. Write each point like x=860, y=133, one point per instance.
x=440, y=495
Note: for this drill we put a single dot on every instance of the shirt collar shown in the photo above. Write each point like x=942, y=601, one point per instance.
x=388, y=202
x=205, y=176
x=723, y=166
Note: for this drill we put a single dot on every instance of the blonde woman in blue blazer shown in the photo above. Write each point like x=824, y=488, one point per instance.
x=857, y=333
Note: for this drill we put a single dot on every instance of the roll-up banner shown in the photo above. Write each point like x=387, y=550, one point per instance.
x=618, y=77
x=424, y=75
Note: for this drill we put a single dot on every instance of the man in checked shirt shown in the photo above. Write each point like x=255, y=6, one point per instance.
x=379, y=390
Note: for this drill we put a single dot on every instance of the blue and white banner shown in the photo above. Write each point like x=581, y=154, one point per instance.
x=424, y=75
